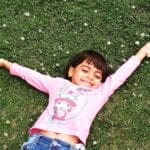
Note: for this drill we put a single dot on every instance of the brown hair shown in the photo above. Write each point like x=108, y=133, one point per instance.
x=92, y=57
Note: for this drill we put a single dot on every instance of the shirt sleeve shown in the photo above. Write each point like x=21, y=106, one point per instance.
x=115, y=80
x=34, y=78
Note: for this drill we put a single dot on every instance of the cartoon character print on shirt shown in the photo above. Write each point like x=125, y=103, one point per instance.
x=62, y=107
x=66, y=102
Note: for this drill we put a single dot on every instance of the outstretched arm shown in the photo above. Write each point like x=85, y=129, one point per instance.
x=144, y=52
x=36, y=79
x=114, y=81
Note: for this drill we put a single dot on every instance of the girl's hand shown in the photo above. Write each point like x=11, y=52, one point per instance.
x=1, y=62
x=146, y=49
x=144, y=52
x=5, y=64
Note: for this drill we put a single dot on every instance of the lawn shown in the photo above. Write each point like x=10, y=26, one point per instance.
x=44, y=35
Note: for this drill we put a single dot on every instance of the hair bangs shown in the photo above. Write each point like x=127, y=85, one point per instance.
x=96, y=60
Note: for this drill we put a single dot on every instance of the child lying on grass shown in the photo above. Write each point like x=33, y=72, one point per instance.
x=74, y=101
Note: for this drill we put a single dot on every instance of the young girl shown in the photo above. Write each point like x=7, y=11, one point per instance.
x=73, y=103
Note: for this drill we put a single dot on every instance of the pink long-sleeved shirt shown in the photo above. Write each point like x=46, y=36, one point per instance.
x=72, y=108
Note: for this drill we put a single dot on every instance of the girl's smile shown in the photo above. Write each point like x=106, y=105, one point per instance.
x=85, y=74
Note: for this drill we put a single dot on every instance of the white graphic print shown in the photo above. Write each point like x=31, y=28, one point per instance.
x=66, y=102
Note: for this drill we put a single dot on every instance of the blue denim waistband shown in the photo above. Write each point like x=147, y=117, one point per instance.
x=48, y=140
x=38, y=138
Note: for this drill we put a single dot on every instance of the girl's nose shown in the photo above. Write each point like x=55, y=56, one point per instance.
x=90, y=76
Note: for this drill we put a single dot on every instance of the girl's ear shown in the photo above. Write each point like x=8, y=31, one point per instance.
x=70, y=72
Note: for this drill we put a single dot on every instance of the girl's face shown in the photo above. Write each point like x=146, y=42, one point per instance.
x=85, y=74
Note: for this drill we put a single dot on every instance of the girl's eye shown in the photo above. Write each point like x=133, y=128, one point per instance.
x=97, y=76
x=84, y=70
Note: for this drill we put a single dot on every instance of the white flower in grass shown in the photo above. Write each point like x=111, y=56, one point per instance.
x=140, y=95
x=60, y=47
x=124, y=60
x=0, y=89
x=122, y=51
x=133, y=7
x=134, y=94
x=57, y=64
x=27, y=14
x=95, y=11
x=137, y=43
x=7, y=122
x=80, y=29
x=67, y=52
x=108, y=42
x=135, y=84
x=5, y=134
x=75, y=32
x=142, y=34
x=22, y=38
x=136, y=33
x=5, y=147
x=41, y=64
x=43, y=69
x=85, y=24
x=54, y=55
x=122, y=46
x=110, y=65
x=4, y=25
x=6, y=41
x=31, y=119
x=94, y=142
x=40, y=30
x=65, y=19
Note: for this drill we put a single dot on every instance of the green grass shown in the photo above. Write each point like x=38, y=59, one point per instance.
x=53, y=32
